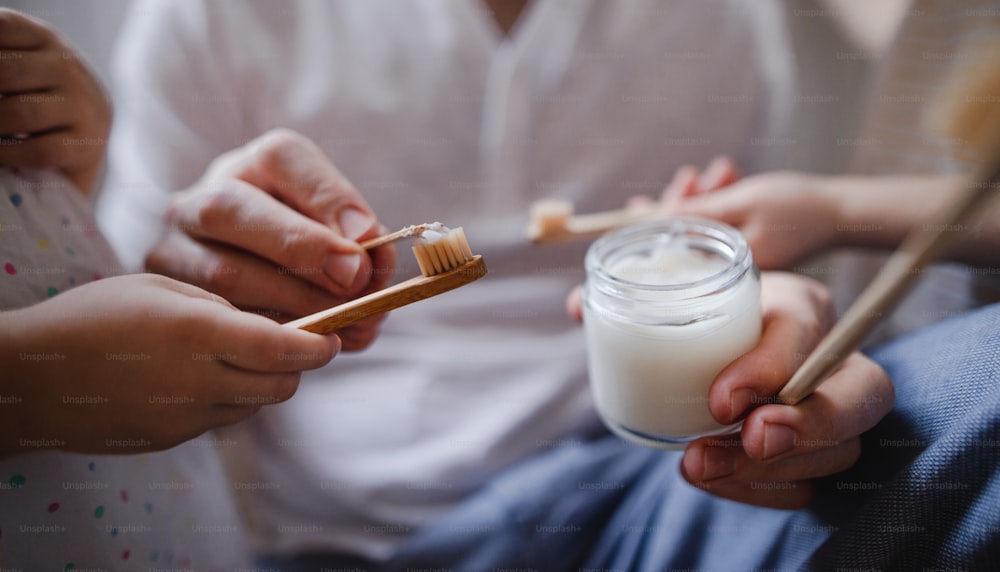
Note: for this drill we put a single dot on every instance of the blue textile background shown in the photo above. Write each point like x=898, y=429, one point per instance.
x=925, y=494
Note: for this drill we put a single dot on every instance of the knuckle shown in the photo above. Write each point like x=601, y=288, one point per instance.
x=281, y=140
x=278, y=147
x=189, y=326
x=223, y=164
x=216, y=208
x=9, y=20
x=297, y=243
x=824, y=301
x=176, y=205
x=220, y=277
x=819, y=296
x=880, y=391
x=156, y=281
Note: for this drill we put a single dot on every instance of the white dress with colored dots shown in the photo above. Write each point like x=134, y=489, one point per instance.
x=58, y=511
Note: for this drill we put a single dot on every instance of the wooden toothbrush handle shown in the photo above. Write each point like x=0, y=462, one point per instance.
x=601, y=222
x=919, y=249
x=396, y=296
x=404, y=232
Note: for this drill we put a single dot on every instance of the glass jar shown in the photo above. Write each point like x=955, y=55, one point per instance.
x=666, y=306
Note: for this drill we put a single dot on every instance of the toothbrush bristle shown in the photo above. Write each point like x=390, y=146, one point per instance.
x=548, y=218
x=442, y=253
x=551, y=214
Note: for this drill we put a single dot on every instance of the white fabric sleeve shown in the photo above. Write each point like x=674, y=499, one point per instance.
x=176, y=109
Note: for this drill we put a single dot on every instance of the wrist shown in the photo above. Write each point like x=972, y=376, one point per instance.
x=31, y=367
x=14, y=420
x=827, y=192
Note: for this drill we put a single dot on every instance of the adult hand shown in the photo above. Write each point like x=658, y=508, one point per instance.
x=54, y=113
x=273, y=227
x=781, y=448
x=142, y=362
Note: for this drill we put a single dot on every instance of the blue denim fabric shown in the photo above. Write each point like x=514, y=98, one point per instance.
x=935, y=458
x=925, y=495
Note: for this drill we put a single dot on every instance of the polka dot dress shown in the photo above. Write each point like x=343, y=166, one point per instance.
x=49, y=241
x=170, y=510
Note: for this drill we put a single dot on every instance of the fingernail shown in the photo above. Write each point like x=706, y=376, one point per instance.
x=778, y=439
x=739, y=402
x=716, y=463
x=354, y=222
x=342, y=268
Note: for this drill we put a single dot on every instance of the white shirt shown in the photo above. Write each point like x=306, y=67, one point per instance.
x=434, y=116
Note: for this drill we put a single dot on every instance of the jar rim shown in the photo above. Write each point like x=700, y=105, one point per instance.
x=740, y=258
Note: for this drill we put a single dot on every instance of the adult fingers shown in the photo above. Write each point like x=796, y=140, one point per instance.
x=35, y=112
x=245, y=280
x=720, y=464
x=383, y=267
x=29, y=71
x=849, y=402
x=292, y=168
x=797, y=311
x=360, y=335
x=238, y=214
x=22, y=32
x=786, y=495
x=53, y=149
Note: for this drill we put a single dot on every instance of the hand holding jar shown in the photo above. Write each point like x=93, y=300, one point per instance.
x=779, y=449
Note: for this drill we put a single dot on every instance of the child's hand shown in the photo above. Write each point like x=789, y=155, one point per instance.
x=54, y=113
x=139, y=363
x=785, y=216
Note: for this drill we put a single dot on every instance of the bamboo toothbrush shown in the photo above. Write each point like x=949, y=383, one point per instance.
x=446, y=262
x=553, y=220
x=414, y=230
x=964, y=120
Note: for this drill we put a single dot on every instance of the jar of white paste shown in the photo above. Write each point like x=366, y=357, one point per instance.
x=666, y=306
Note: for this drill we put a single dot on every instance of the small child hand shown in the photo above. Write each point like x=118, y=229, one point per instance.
x=142, y=362
x=54, y=113
x=784, y=215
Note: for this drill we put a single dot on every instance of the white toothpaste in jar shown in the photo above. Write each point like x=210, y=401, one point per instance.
x=667, y=305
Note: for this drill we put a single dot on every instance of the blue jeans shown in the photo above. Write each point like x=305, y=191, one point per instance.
x=925, y=494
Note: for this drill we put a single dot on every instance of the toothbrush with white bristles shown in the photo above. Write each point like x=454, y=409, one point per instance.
x=446, y=262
